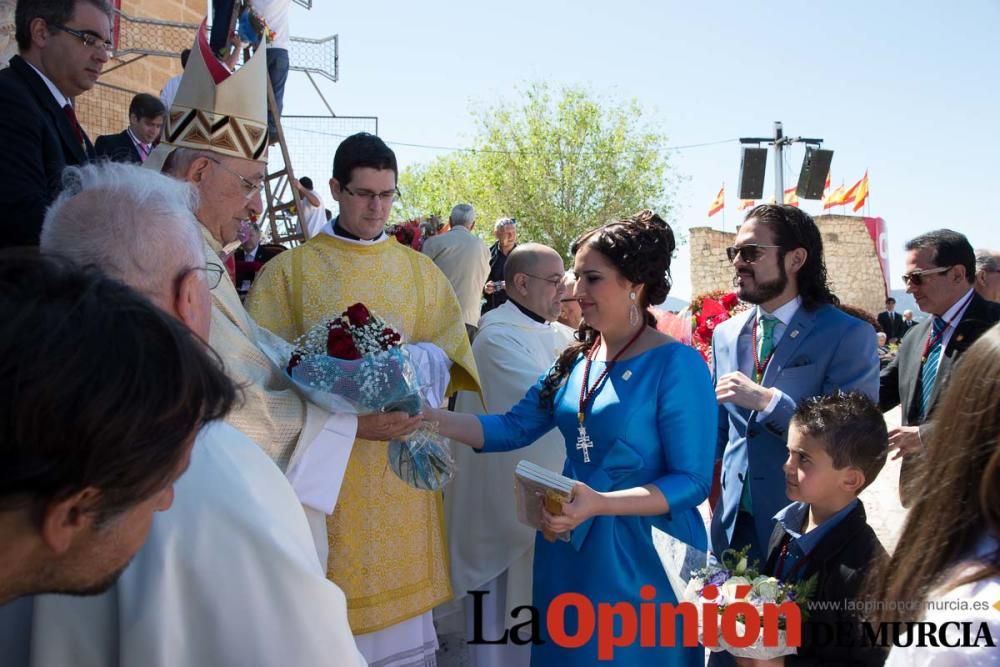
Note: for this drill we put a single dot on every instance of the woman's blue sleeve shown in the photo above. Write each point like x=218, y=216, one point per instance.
x=522, y=425
x=687, y=417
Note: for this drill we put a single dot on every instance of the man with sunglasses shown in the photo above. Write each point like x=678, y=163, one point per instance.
x=793, y=345
x=62, y=47
x=940, y=274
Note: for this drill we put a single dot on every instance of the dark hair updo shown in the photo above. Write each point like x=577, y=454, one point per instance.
x=640, y=247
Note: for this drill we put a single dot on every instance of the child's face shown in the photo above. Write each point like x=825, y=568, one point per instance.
x=809, y=473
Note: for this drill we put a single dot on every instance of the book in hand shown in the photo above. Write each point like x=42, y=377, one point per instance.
x=535, y=486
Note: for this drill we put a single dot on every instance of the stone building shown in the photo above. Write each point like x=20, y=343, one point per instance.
x=851, y=261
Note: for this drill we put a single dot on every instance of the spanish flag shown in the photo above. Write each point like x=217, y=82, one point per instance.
x=826, y=186
x=835, y=198
x=718, y=203
x=791, y=198
x=746, y=203
x=861, y=196
x=852, y=192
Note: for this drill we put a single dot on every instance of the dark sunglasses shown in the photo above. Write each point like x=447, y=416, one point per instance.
x=750, y=252
x=916, y=278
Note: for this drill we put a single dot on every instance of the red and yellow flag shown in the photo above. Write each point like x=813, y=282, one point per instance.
x=835, y=198
x=791, y=198
x=826, y=186
x=718, y=203
x=861, y=195
x=747, y=203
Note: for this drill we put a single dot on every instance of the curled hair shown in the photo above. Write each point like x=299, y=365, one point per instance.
x=794, y=228
x=100, y=388
x=640, y=247
x=960, y=488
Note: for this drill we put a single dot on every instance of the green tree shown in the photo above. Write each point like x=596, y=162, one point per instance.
x=560, y=163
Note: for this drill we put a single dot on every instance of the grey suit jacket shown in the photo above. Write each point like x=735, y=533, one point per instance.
x=465, y=261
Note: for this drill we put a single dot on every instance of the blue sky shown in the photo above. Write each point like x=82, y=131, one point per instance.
x=908, y=91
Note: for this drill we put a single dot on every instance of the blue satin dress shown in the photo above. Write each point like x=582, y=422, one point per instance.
x=652, y=421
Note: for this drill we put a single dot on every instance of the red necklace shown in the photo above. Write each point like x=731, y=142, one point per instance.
x=759, y=365
x=583, y=441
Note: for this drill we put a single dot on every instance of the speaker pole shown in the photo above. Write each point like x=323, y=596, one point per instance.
x=779, y=175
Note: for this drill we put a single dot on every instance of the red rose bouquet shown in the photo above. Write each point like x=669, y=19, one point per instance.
x=360, y=358
x=709, y=311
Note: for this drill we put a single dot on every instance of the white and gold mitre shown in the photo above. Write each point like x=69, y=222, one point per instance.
x=217, y=110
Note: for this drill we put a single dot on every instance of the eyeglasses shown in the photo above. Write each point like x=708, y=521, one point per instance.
x=555, y=282
x=916, y=278
x=249, y=186
x=213, y=274
x=89, y=39
x=750, y=252
x=387, y=197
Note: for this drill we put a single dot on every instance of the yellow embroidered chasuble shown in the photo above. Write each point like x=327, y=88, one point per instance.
x=272, y=413
x=387, y=547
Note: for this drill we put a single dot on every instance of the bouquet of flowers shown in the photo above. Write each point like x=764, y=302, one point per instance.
x=709, y=311
x=696, y=580
x=252, y=27
x=735, y=580
x=408, y=233
x=358, y=358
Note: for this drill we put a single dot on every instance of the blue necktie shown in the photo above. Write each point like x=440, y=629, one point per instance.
x=929, y=371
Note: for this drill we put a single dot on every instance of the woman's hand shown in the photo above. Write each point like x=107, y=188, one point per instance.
x=586, y=503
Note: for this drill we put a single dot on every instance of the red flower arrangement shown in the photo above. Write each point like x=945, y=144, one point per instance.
x=709, y=311
x=408, y=233
x=350, y=336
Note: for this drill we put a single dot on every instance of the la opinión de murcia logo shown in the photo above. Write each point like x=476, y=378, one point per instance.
x=739, y=624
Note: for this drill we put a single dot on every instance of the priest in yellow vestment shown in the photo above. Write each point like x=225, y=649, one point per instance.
x=387, y=548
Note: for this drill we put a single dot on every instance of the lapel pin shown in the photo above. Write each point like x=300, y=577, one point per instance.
x=794, y=333
x=626, y=375
x=959, y=338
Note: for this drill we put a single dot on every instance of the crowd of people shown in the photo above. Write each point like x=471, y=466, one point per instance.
x=168, y=496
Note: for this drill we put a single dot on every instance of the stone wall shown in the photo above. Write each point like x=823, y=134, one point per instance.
x=851, y=261
x=104, y=109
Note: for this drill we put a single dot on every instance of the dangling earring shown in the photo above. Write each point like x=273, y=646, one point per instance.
x=633, y=311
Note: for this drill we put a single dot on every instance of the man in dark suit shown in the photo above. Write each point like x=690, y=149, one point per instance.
x=890, y=322
x=62, y=45
x=250, y=258
x=908, y=322
x=135, y=143
x=940, y=272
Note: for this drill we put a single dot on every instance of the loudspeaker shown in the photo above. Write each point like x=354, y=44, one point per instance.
x=812, y=177
x=752, y=173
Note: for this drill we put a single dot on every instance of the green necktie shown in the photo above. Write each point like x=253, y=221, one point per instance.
x=765, y=345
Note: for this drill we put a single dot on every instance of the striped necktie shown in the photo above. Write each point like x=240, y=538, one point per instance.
x=928, y=373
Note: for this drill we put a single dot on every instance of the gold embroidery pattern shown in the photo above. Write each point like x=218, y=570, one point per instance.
x=387, y=548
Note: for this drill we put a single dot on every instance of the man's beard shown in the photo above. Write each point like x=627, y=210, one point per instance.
x=762, y=292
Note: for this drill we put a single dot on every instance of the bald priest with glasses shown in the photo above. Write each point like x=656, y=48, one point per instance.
x=62, y=48
x=940, y=274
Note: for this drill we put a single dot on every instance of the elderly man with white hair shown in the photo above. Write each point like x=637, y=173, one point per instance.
x=463, y=258
x=988, y=274
x=505, y=230
x=229, y=574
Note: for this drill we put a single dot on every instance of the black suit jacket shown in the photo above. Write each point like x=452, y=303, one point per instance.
x=248, y=270
x=117, y=147
x=38, y=143
x=890, y=323
x=899, y=382
x=841, y=562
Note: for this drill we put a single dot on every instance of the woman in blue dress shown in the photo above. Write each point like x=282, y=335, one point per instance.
x=638, y=413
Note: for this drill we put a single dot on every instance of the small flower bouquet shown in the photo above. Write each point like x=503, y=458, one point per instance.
x=735, y=580
x=698, y=581
x=359, y=358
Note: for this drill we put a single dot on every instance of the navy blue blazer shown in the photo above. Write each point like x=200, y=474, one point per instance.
x=820, y=352
x=117, y=148
x=38, y=143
